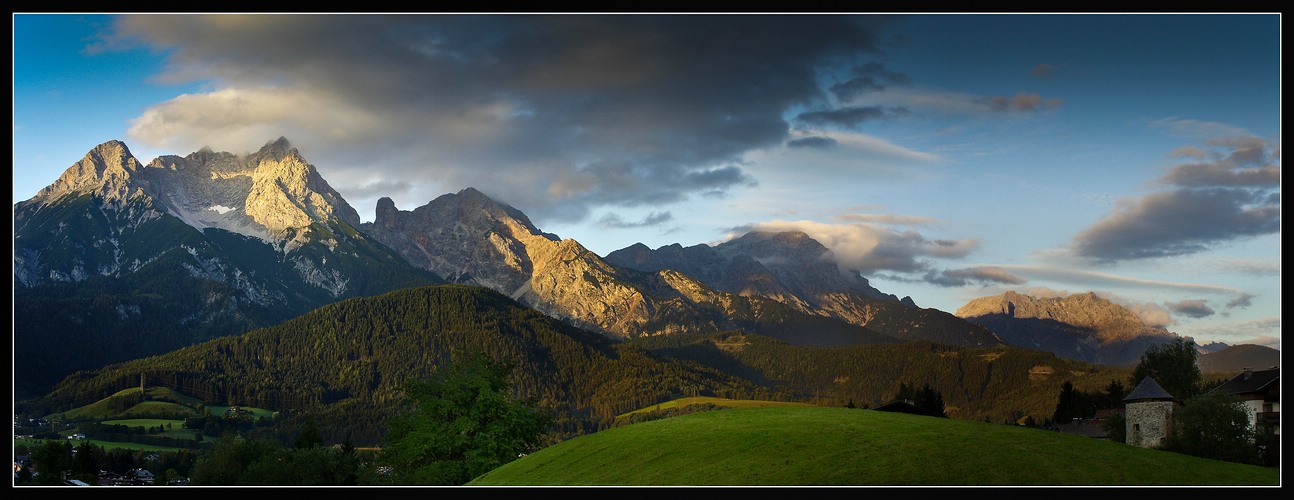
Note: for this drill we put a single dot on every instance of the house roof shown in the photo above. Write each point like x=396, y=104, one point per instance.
x=1250, y=382
x=1148, y=390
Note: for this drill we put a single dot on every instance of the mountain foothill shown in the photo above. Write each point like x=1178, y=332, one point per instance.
x=249, y=280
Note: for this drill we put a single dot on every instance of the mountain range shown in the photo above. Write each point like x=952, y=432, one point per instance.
x=118, y=260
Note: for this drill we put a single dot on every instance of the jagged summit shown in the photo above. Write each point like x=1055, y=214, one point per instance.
x=1080, y=309
x=1080, y=326
x=276, y=149
x=270, y=194
x=107, y=169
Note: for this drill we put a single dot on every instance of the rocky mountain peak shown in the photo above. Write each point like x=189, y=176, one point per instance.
x=1080, y=309
x=287, y=192
x=1079, y=326
x=275, y=150
x=267, y=194
x=107, y=169
x=765, y=243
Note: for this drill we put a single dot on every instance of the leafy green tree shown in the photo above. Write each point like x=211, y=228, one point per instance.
x=1213, y=425
x=227, y=461
x=52, y=458
x=462, y=424
x=1174, y=366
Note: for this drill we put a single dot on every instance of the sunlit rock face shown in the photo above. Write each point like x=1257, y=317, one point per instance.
x=468, y=238
x=271, y=194
x=794, y=269
x=1080, y=326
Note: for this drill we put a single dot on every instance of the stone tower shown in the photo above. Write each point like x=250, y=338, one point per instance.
x=1148, y=412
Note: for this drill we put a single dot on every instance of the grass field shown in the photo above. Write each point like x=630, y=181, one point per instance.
x=176, y=429
x=721, y=402
x=106, y=445
x=249, y=410
x=805, y=446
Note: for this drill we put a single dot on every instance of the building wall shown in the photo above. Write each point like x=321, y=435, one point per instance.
x=1256, y=406
x=1146, y=422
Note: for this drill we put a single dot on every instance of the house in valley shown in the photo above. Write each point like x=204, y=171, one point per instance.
x=1261, y=392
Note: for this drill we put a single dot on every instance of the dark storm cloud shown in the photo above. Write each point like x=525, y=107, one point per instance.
x=1193, y=308
x=513, y=102
x=870, y=77
x=849, y=117
x=1216, y=201
x=816, y=142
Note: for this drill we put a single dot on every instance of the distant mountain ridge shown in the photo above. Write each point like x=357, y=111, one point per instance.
x=1080, y=326
x=798, y=271
x=1235, y=359
x=469, y=238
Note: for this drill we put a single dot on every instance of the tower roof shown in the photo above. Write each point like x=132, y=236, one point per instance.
x=1148, y=390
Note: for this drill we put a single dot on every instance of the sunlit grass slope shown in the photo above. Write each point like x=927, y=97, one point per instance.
x=841, y=446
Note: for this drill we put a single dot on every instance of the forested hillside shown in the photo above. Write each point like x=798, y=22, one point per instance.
x=999, y=385
x=346, y=363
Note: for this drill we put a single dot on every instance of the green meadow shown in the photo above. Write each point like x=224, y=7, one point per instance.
x=823, y=446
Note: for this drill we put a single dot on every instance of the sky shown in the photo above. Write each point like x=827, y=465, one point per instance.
x=945, y=157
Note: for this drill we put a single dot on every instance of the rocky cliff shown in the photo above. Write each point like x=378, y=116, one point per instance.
x=1080, y=326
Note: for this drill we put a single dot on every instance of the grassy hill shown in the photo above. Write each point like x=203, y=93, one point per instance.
x=822, y=446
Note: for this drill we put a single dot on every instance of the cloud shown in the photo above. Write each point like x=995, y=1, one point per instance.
x=1193, y=308
x=893, y=219
x=1150, y=314
x=380, y=188
x=849, y=117
x=1215, y=202
x=1042, y=71
x=1198, y=129
x=867, y=248
x=1021, y=102
x=1097, y=280
x=918, y=100
x=1178, y=223
x=614, y=221
x=1243, y=301
x=1252, y=267
x=970, y=275
x=870, y=77
x=813, y=141
x=603, y=110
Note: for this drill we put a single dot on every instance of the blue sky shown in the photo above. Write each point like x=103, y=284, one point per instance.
x=946, y=157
